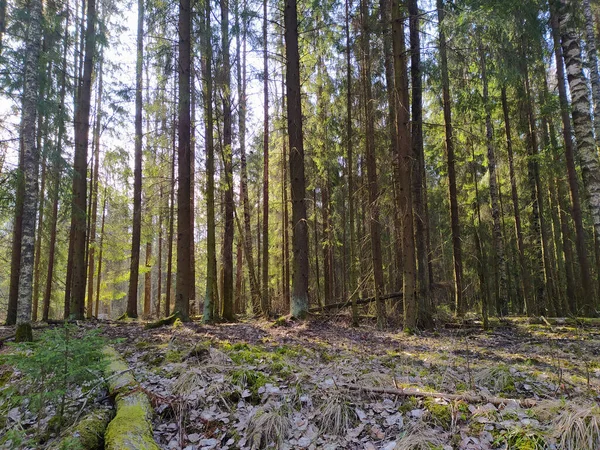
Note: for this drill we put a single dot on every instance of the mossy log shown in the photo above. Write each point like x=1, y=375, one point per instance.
x=170, y=320
x=87, y=434
x=131, y=429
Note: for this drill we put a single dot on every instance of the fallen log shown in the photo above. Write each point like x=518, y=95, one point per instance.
x=131, y=429
x=469, y=398
x=88, y=433
x=360, y=301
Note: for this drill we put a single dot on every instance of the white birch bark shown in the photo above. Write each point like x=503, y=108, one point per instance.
x=30, y=158
x=582, y=119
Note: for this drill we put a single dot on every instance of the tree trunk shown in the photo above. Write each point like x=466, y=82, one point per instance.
x=265, y=306
x=182, y=285
x=38, y=244
x=582, y=124
x=136, y=234
x=57, y=172
x=459, y=304
x=94, y=194
x=299, y=303
x=350, y=168
x=148, y=282
x=29, y=104
x=211, y=270
x=404, y=160
x=82, y=125
x=501, y=288
x=169, y=284
x=371, y=163
x=419, y=182
x=228, y=232
x=100, y=246
x=17, y=237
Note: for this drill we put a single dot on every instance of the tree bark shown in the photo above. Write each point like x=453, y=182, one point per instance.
x=404, y=160
x=228, y=232
x=299, y=303
x=100, y=246
x=182, y=286
x=211, y=271
x=582, y=125
x=29, y=104
x=371, y=163
x=459, y=304
x=82, y=125
x=265, y=307
x=94, y=194
x=132, y=297
x=501, y=288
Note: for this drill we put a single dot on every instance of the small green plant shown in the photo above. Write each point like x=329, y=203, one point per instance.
x=522, y=439
x=62, y=359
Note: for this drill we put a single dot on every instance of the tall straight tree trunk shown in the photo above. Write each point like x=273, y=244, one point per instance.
x=17, y=237
x=371, y=162
x=247, y=230
x=29, y=104
x=182, y=286
x=265, y=271
x=299, y=303
x=576, y=213
x=193, y=190
x=350, y=168
x=419, y=182
x=228, y=232
x=171, y=233
x=404, y=160
x=94, y=194
x=38, y=244
x=57, y=171
x=501, y=291
x=523, y=273
x=211, y=267
x=582, y=125
x=136, y=234
x=148, y=281
x=100, y=246
x=459, y=304
x=160, y=252
x=82, y=125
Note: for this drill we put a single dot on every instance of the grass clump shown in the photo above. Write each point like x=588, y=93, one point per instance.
x=269, y=425
x=521, y=439
x=578, y=427
x=419, y=436
x=496, y=379
x=337, y=415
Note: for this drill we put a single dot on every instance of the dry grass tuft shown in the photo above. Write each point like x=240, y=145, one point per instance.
x=270, y=424
x=376, y=379
x=578, y=427
x=337, y=415
x=496, y=379
x=419, y=436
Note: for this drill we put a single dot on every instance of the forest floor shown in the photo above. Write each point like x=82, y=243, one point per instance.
x=252, y=384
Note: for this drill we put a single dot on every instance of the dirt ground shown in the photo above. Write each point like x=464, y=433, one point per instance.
x=311, y=385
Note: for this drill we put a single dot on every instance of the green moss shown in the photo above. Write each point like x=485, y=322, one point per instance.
x=441, y=414
x=178, y=323
x=24, y=333
x=88, y=434
x=409, y=404
x=174, y=356
x=141, y=345
x=252, y=380
x=131, y=428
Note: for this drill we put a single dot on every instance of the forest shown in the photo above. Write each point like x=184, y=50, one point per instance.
x=300, y=224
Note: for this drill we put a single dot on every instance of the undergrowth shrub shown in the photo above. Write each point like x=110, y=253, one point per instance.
x=52, y=369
